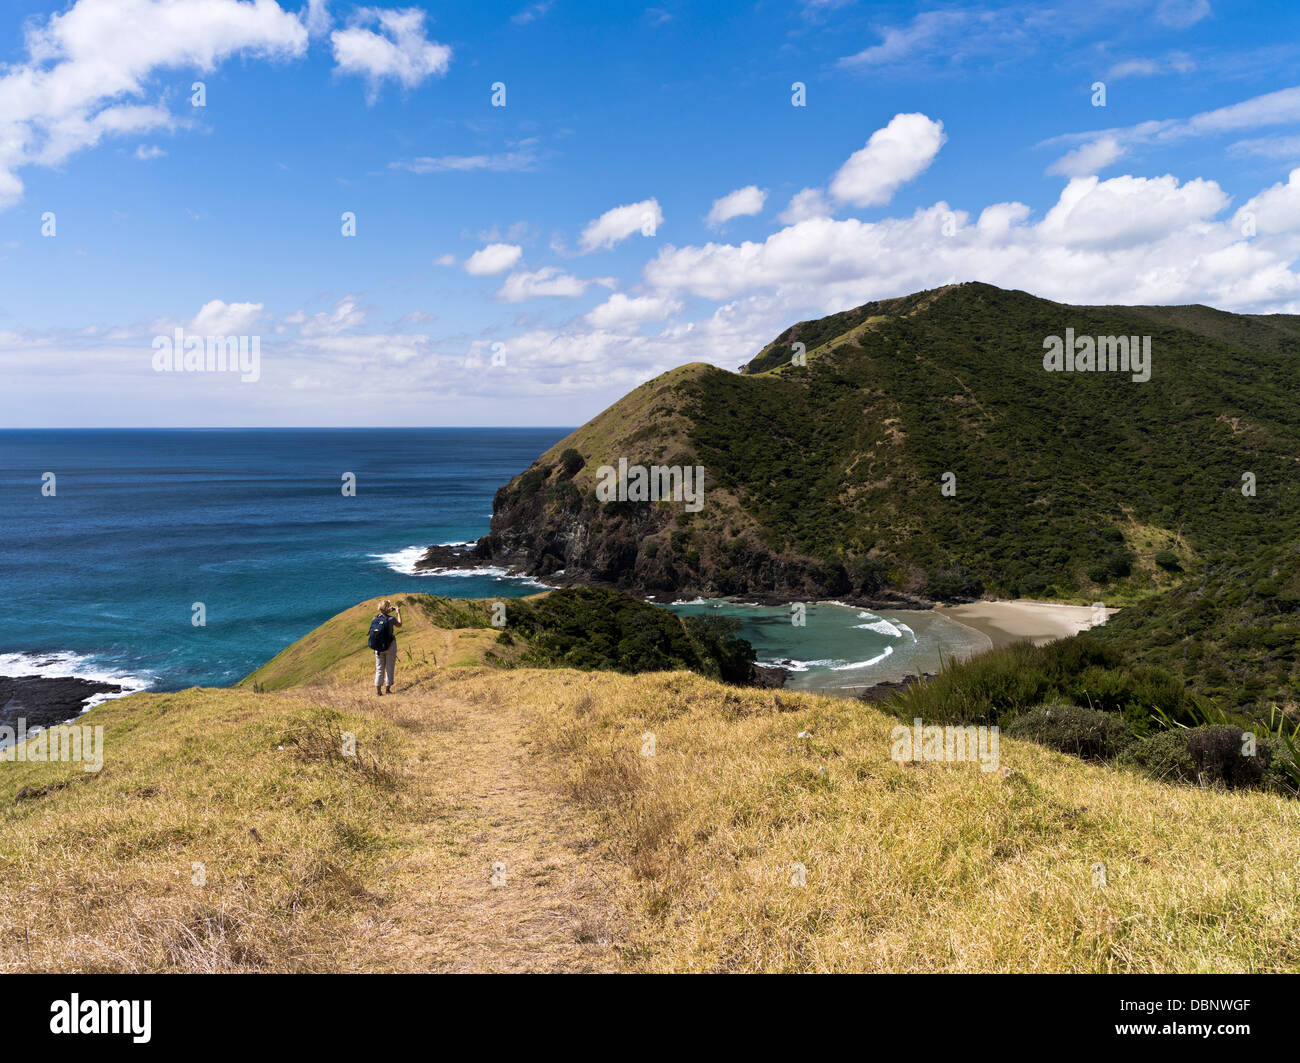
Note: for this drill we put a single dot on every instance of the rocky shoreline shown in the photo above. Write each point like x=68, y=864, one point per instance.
x=458, y=558
x=46, y=701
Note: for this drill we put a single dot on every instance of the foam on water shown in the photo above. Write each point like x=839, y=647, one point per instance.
x=64, y=664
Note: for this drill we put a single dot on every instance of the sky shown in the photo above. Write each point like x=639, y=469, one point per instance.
x=512, y=214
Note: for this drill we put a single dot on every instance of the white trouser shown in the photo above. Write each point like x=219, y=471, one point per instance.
x=385, y=664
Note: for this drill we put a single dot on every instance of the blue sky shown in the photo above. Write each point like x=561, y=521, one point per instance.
x=648, y=196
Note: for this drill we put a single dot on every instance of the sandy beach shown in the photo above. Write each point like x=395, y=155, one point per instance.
x=1005, y=622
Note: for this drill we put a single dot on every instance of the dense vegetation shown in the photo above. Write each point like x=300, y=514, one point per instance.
x=606, y=630
x=1088, y=697
x=922, y=451
x=1063, y=480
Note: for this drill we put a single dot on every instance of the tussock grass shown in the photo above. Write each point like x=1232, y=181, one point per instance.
x=613, y=860
x=911, y=867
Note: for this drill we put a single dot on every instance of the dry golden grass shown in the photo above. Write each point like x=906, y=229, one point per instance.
x=680, y=861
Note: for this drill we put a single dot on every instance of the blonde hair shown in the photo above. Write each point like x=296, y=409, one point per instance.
x=385, y=605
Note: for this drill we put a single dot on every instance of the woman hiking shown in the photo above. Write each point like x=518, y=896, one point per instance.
x=383, y=641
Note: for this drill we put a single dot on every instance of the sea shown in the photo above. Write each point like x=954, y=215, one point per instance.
x=163, y=559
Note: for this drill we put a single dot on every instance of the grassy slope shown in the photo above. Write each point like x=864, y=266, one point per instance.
x=614, y=861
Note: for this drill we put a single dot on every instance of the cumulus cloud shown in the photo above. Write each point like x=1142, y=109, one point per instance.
x=493, y=259
x=620, y=311
x=549, y=281
x=398, y=50
x=619, y=223
x=87, y=68
x=1124, y=240
x=893, y=156
x=741, y=202
x=219, y=318
x=808, y=203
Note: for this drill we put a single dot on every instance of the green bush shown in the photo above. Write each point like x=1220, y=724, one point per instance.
x=1073, y=729
x=1163, y=756
x=571, y=461
x=1213, y=756
x=1167, y=559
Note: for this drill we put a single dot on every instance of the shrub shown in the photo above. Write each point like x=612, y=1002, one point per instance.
x=1163, y=756
x=1073, y=729
x=1217, y=753
x=1212, y=756
x=1167, y=559
x=571, y=461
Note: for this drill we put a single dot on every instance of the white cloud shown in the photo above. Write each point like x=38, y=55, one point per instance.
x=1089, y=158
x=619, y=223
x=151, y=151
x=741, y=202
x=445, y=260
x=1272, y=108
x=894, y=155
x=531, y=13
x=805, y=204
x=500, y=162
x=398, y=51
x=1124, y=240
x=85, y=64
x=620, y=311
x=345, y=315
x=1285, y=147
x=1276, y=209
x=549, y=281
x=316, y=17
x=219, y=318
x=1180, y=14
x=493, y=259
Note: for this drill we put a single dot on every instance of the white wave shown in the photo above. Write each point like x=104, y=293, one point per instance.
x=402, y=561
x=879, y=625
x=864, y=664
x=695, y=601
x=64, y=664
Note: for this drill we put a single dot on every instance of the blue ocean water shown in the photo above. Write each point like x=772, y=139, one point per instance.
x=100, y=578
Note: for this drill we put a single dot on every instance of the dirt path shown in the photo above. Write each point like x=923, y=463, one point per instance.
x=495, y=872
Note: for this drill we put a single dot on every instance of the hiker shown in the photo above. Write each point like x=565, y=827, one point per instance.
x=384, y=642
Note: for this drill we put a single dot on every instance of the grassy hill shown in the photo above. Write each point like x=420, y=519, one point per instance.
x=825, y=479
x=229, y=831
x=586, y=628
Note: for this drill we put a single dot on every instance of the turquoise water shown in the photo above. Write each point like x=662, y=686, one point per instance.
x=101, y=579
x=843, y=649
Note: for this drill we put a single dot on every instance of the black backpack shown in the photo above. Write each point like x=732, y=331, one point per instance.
x=381, y=633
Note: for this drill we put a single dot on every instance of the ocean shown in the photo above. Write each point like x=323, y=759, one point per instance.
x=104, y=568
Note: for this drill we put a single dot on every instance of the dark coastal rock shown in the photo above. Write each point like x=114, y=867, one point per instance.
x=45, y=701
x=555, y=534
x=768, y=676
x=879, y=692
